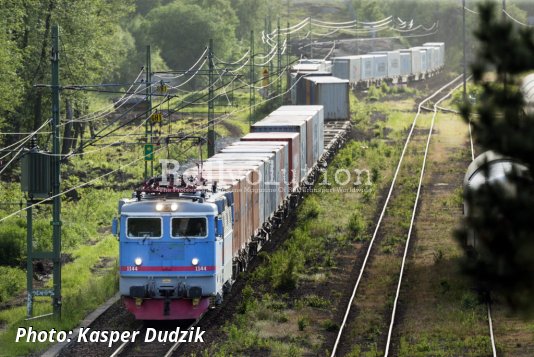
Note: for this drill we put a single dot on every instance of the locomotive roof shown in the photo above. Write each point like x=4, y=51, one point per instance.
x=184, y=206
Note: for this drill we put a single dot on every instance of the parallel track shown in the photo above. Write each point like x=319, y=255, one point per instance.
x=412, y=221
x=385, y=206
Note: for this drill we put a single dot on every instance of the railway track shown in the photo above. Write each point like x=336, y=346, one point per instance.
x=343, y=343
x=141, y=348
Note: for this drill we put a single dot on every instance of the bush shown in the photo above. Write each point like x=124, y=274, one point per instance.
x=12, y=282
x=330, y=325
x=316, y=301
x=303, y=322
x=374, y=93
x=12, y=244
x=356, y=224
x=310, y=209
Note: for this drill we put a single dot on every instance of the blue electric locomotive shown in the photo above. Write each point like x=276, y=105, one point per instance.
x=175, y=251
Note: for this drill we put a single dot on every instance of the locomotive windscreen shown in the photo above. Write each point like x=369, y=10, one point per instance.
x=144, y=227
x=189, y=227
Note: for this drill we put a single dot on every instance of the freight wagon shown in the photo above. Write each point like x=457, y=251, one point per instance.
x=399, y=66
x=183, y=242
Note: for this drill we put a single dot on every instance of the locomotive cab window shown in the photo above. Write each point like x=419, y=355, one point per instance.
x=144, y=227
x=189, y=227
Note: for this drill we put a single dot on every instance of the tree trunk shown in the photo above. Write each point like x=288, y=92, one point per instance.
x=37, y=75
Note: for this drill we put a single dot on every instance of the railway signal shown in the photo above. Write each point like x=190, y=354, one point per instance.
x=149, y=152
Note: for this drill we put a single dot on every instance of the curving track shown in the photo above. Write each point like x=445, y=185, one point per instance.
x=346, y=339
x=340, y=336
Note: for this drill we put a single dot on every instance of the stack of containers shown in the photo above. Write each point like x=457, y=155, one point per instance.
x=261, y=186
x=317, y=114
x=237, y=178
x=330, y=92
x=285, y=125
x=293, y=142
x=277, y=180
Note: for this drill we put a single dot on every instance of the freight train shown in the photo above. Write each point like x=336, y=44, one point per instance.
x=363, y=71
x=183, y=242
x=184, y=238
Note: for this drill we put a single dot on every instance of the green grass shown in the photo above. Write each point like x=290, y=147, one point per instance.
x=82, y=292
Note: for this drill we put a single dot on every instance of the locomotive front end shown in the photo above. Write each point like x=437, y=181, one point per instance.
x=168, y=258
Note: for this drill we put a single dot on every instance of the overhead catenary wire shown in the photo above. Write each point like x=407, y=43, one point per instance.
x=368, y=39
x=132, y=162
x=514, y=19
x=24, y=140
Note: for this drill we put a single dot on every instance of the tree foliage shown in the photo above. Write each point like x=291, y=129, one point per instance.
x=503, y=222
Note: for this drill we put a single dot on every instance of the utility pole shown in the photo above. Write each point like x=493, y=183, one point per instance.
x=279, y=62
x=288, y=38
x=271, y=64
x=252, y=97
x=41, y=180
x=211, y=96
x=56, y=161
x=311, y=40
x=503, y=9
x=149, y=146
x=465, y=60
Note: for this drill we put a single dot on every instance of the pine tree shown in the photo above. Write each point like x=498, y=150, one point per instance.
x=503, y=222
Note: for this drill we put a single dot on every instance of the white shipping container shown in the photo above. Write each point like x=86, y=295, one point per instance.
x=380, y=66
x=393, y=62
x=317, y=113
x=416, y=60
x=347, y=67
x=405, y=63
x=441, y=47
x=367, y=67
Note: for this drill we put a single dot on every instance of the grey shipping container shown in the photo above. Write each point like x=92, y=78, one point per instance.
x=330, y=92
x=298, y=84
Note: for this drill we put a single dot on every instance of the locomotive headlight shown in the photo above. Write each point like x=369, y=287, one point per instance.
x=138, y=261
x=159, y=207
x=174, y=206
x=194, y=261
